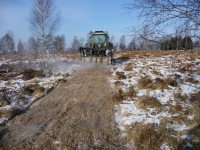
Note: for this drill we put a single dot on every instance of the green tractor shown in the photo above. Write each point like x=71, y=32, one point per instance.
x=98, y=49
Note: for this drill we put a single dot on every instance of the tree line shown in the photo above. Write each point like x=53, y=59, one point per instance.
x=33, y=45
x=58, y=44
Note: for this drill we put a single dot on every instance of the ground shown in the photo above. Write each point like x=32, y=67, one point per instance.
x=145, y=100
x=77, y=114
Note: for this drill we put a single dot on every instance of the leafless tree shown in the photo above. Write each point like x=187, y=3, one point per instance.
x=196, y=44
x=26, y=48
x=132, y=45
x=50, y=44
x=44, y=21
x=112, y=39
x=7, y=43
x=34, y=44
x=159, y=14
x=116, y=46
x=81, y=40
x=59, y=43
x=122, y=43
x=75, y=44
x=20, y=47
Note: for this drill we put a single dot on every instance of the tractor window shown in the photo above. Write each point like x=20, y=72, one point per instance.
x=99, y=38
x=107, y=38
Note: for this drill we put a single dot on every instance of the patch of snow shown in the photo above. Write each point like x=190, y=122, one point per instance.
x=164, y=146
x=189, y=145
x=129, y=146
x=3, y=120
x=118, y=118
x=142, y=92
x=187, y=136
x=191, y=117
x=162, y=96
x=178, y=127
x=187, y=89
x=131, y=114
x=57, y=142
x=82, y=146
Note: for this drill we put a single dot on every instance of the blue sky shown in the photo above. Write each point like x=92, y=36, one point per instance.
x=78, y=18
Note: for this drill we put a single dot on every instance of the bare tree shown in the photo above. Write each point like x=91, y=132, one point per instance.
x=159, y=14
x=50, y=43
x=115, y=46
x=132, y=45
x=34, y=44
x=26, y=48
x=20, y=47
x=81, y=40
x=44, y=21
x=7, y=43
x=75, y=44
x=112, y=39
x=59, y=43
x=178, y=35
x=122, y=43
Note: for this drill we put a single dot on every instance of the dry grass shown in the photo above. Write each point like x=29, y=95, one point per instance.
x=149, y=137
x=128, y=67
x=32, y=89
x=195, y=141
x=181, y=97
x=30, y=74
x=148, y=102
x=171, y=81
x=182, y=107
x=124, y=57
x=130, y=92
x=145, y=83
x=192, y=80
x=4, y=99
x=121, y=95
x=7, y=74
x=158, y=83
x=195, y=97
x=9, y=113
x=120, y=75
x=119, y=83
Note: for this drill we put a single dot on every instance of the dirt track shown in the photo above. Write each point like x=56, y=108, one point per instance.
x=77, y=114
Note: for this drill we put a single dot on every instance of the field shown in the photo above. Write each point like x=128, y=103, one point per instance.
x=145, y=100
x=158, y=94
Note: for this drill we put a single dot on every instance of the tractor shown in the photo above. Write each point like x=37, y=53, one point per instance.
x=99, y=49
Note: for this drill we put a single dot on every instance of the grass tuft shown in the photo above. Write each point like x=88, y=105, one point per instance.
x=128, y=67
x=121, y=95
x=121, y=75
x=148, y=102
x=145, y=83
x=195, y=97
x=147, y=137
x=30, y=74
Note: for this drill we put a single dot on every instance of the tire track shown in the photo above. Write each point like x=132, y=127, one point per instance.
x=77, y=114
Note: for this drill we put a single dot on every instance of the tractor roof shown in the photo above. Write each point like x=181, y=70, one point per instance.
x=100, y=32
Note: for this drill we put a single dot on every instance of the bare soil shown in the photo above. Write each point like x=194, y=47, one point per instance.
x=77, y=114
